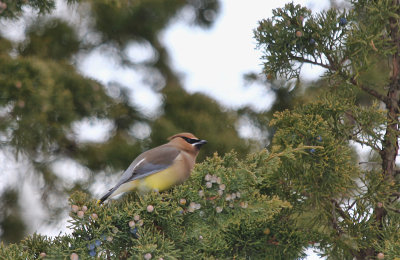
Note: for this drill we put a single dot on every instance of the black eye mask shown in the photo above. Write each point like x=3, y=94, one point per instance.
x=190, y=140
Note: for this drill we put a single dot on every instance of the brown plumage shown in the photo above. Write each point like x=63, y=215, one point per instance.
x=161, y=167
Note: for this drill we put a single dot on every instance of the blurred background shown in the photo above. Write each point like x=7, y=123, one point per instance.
x=88, y=85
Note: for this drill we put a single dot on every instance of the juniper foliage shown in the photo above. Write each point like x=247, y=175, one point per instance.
x=353, y=209
x=222, y=211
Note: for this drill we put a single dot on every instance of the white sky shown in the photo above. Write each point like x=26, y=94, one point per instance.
x=210, y=61
x=214, y=61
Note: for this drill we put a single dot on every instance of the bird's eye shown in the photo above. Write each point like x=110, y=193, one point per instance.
x=190, y=140
x=185, y=138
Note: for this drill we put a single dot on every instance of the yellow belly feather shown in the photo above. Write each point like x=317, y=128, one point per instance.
x=158, y=181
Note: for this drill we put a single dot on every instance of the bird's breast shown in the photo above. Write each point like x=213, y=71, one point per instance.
x=177, y=173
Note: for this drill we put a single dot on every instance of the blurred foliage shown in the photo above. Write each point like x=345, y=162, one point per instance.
x=55, y=33
x=13, y=9
x=12, y=225
x=222, y=136
x=44, y=96
x=124, y=21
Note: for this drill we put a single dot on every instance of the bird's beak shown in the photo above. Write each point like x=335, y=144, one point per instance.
x=200, y=143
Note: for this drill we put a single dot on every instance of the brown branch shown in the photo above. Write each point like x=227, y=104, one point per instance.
x=353, y=81
x=352, y=205
x=331, y=61
x=340, y=210
x=368, y=163
x=304, y=60
x=335, y=224
x=394, y=210
x=354, y=135
x=370, y=91
x=396, y=193
x=376, y=149
x=396, y=197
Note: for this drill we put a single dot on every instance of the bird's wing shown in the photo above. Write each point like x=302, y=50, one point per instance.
x=149, y=162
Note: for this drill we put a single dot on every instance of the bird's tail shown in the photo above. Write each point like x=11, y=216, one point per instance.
x=102, y=199
x=127, y=186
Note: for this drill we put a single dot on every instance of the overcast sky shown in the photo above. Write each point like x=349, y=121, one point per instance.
x=211, y=61
x=214, y=61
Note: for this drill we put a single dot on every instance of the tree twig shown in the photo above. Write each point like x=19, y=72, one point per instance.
x=394, y=210
x=370, y=91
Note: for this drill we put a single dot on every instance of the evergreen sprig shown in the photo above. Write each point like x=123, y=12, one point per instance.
x=221, y=212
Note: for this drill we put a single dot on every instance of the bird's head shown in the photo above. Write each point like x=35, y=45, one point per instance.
x=187, y=142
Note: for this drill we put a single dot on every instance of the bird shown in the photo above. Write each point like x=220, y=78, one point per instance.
x=160, y=168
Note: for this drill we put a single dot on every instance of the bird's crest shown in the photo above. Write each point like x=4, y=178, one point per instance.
x=187, y=135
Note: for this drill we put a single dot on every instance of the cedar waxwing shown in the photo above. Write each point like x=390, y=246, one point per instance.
x=160, y=168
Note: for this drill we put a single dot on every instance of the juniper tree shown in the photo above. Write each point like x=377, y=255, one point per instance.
x=354, y=209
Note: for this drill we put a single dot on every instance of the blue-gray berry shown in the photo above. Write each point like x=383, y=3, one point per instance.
x=91, y=246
